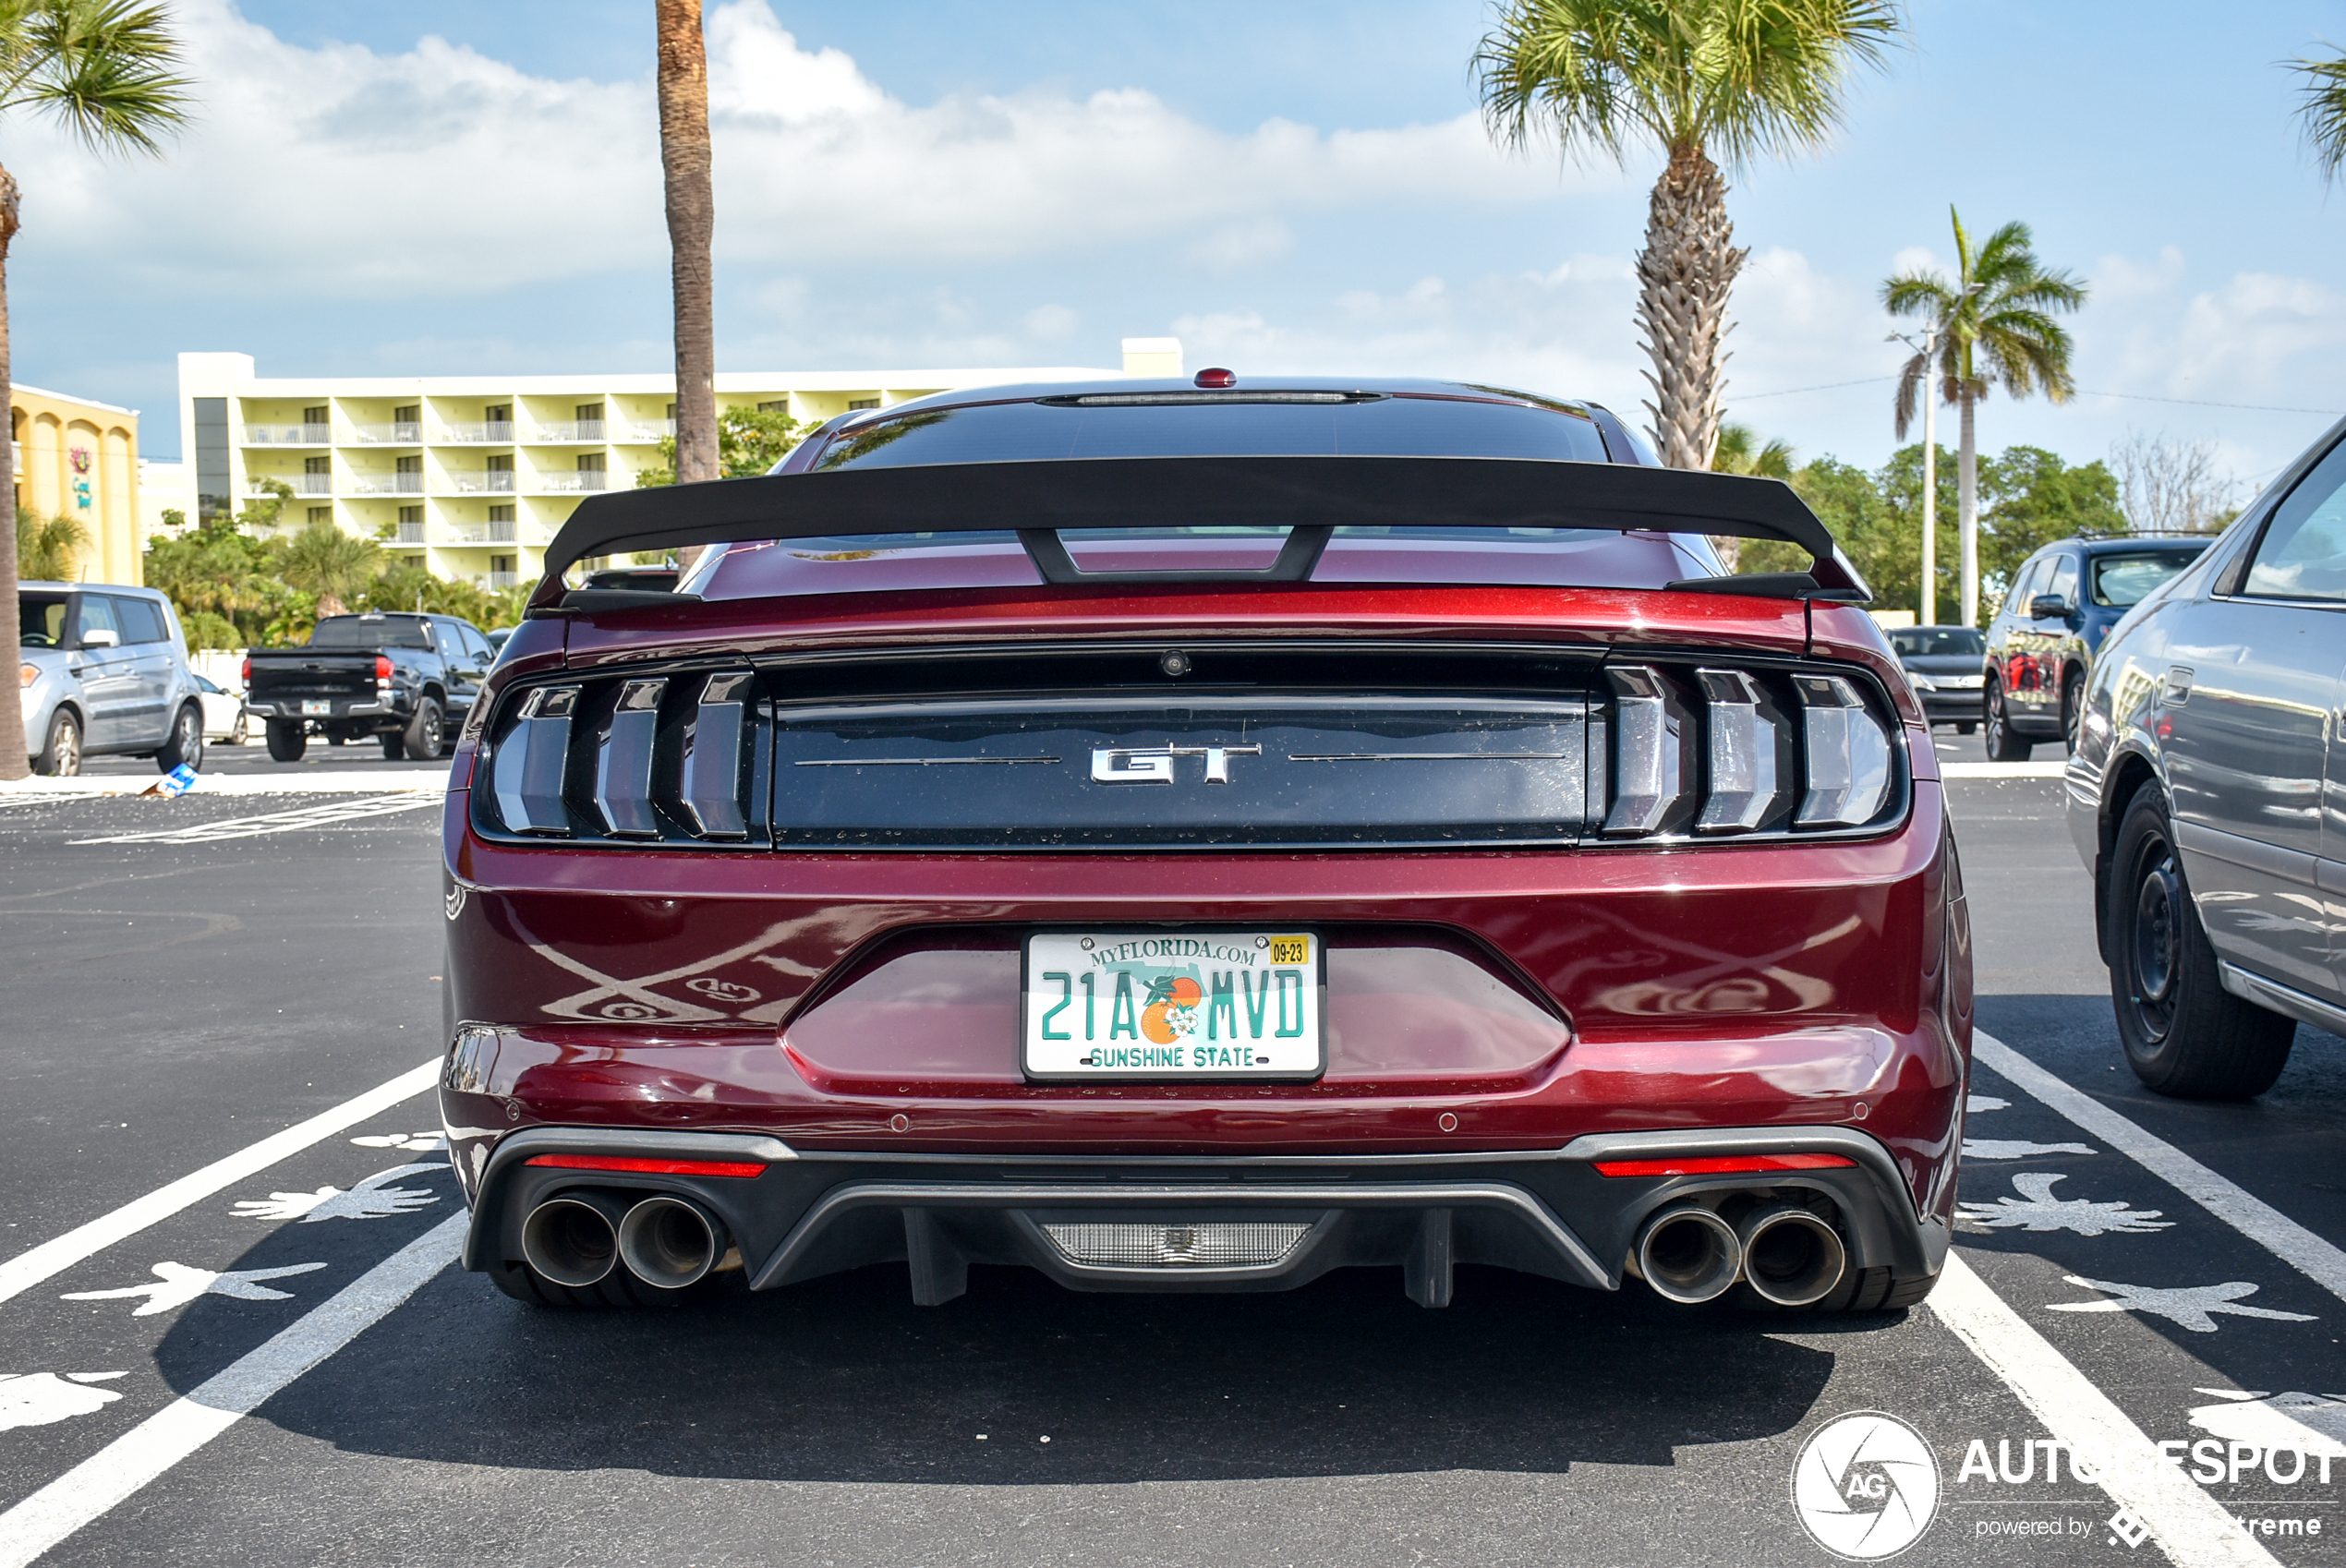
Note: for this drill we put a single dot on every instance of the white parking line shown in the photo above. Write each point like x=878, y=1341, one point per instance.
x=28, y=1269
x=2233, y=1204
x=275, y=821
x=2191, y=1527
x=118, y=1470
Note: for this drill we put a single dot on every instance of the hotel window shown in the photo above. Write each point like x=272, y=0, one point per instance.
x=590, y=421
x=411, y=526
x=317, y=464
x=315, y=422
x=408, y=422
x=779, y=407
x=854, y=403
x=321, y=514
x=502, y=514
x=212, y=490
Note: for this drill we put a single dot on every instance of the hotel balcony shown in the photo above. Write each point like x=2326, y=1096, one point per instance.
x=557, y=430
x=384, y=484
x=403, y=433
x=409, y=534
x=288, y=435
x=491, y=432
x=488, y=534
x=572, y=484
x=302, y=484
x=476, y=481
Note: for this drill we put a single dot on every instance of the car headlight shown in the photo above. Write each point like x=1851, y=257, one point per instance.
x=1921, y=681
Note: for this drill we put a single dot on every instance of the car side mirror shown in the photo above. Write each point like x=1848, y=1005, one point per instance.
x=2048, y=607
x=99, y=637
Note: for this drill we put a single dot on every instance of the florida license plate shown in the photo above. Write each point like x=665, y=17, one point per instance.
x=312, y=709
x=1174, y=1005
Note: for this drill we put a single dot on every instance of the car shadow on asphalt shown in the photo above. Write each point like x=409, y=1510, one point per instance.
x=844, y=1379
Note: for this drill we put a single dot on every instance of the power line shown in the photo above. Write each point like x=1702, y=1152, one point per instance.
x=1787, y=391
x=2202, y=403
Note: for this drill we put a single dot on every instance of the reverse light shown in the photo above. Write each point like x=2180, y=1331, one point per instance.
x=1720, y=1165
x=627, y=1165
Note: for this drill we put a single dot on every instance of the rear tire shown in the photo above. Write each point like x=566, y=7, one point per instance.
x=2072, y=709
x=2183, y=1034
x=394, y=747
x=2002, y=745
x=61, y=753
x=1965, y=726
x=424, y=732
x=186, y=745
x=286, y=743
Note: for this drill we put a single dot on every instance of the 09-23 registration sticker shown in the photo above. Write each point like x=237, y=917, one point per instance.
x=1172, y=1005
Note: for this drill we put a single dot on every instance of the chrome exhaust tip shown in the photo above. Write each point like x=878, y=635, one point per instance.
x=570, y=1240
x=669, y=1243
x=1688, y=1254
x=1791, y=1256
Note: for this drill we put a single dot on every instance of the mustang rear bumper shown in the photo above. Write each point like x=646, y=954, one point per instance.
x=1546, y=1212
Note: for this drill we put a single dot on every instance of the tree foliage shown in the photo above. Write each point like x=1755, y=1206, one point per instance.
x=47, y=546
x=332, y=566
x=2321, y=111
x=1994, y=319
x=749, y=441
x=1740, y=450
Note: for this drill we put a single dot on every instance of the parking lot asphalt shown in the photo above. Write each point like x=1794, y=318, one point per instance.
x=210, y=1355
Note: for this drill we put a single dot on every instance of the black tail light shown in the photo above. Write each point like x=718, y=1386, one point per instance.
x=670, y=760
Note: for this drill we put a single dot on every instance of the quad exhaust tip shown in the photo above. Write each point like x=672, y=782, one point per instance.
x=1790, y=1255
x=1688, y=1254
x=571, y=1239
x=669, y=1243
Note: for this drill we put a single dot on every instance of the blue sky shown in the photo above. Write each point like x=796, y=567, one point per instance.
x=441, y=188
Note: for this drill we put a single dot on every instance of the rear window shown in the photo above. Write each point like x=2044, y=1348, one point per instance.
x=1381, y=427
x=1937, y=642
x=2128, y=579
x=41, y=620
x=363, y=632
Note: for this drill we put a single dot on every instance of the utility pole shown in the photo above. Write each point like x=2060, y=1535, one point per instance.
x=1928, y=615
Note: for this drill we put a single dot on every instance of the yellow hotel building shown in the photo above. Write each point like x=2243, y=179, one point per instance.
x=471, y=474
x=79, y=459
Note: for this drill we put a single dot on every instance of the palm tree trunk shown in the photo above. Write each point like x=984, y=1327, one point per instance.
x=692, y=216
x=14, y=763
x=1968, y=509
x=1684, y=273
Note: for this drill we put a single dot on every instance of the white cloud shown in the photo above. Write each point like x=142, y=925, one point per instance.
x=344, y=171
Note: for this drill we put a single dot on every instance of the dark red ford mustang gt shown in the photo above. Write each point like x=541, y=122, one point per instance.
x=1187, y=836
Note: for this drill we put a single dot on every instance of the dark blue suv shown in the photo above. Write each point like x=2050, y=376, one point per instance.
x=2063, y=601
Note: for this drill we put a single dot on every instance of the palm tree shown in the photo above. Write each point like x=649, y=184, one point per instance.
x=1736, y=78
x=2322, y=106
x=692, y=215
x=107, y=68
x=1994, y=326
x=325, y=561
x=1740, y=451
x=46, y=546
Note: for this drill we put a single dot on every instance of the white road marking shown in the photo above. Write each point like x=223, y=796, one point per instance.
x=2188, y=1304
x=318, y=781
x=2233, y=1204
x=2017, y=1149
x=2003, y=769
x=2038, y=1209
x=275, y=822
x=2192, y=1527
x=370, y=1199
x=117, y=1471
x=41, y=1399
x=175, y=1285
x=28, y=1269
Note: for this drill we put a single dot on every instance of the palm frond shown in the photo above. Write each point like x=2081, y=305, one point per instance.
x=107, y=68
x=1910, y=380
x=1732, y=77
x=1918, y=293
x=2321, y=111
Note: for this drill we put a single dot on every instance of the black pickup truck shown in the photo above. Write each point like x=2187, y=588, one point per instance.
x=410, y=678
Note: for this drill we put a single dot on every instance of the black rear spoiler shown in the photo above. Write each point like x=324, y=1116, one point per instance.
x=1309, y=496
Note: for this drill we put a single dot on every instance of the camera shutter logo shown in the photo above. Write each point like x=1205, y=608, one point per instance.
x=1866, y=1486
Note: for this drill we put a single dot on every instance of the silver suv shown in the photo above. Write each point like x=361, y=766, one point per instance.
x=105, y=672
x=2209, y=795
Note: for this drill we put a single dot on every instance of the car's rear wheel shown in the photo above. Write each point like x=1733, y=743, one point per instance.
x=394, y=747
x=186, y=745
x=286, y=743
x=2072, y=709
x=1965, y=726
x=423, y=737
x=2184, y=1034
x=61, y=751
x=2002, y=745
